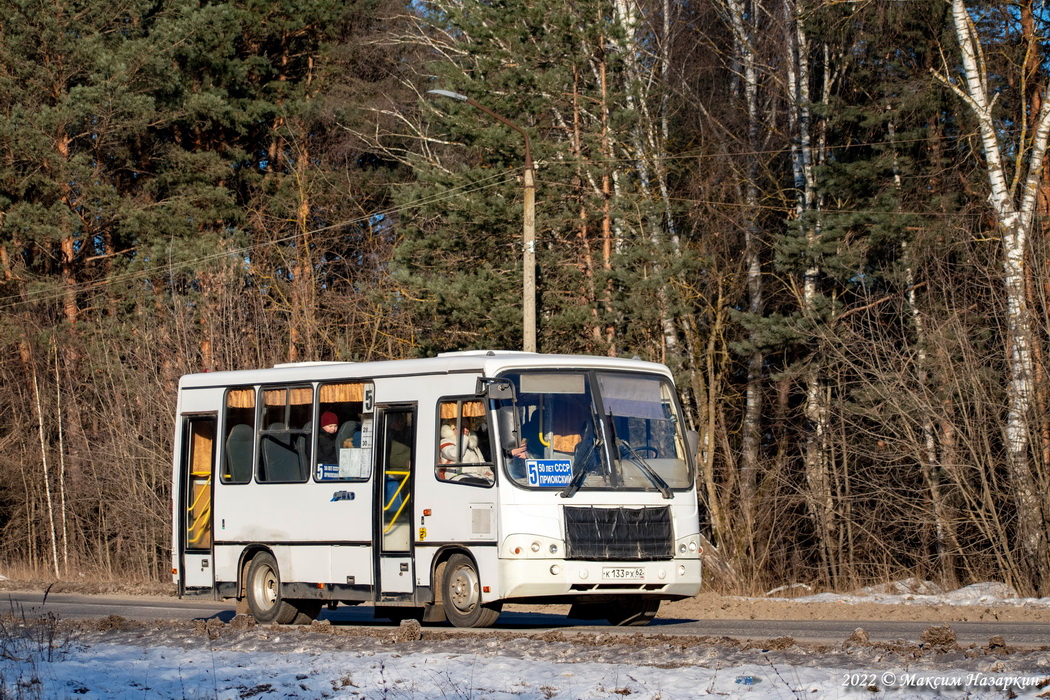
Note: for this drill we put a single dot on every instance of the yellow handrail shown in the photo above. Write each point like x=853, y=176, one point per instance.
x=540, y=436
x=203, y=492
x=201, y=521
x=386, y=505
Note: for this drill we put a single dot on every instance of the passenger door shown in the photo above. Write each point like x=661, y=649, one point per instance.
x=197, y=471
x=396, y=452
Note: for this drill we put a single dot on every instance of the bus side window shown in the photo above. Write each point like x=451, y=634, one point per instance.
x=463, y=450
x=283, y=457
x=344, y=450
x=240, y=436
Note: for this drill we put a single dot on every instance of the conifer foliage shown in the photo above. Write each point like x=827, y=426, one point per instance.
x=826, y=218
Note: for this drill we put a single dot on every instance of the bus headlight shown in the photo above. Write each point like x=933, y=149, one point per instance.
x=531, y=546
x=555, y=569
x=688, y=547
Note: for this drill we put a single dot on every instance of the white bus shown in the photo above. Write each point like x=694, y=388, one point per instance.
x=437, y=488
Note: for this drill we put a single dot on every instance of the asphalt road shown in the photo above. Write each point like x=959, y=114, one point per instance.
x=75, y=606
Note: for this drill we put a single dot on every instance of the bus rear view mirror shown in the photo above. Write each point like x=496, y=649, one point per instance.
x=496, y=389
x=692, y=439
x=510, y=437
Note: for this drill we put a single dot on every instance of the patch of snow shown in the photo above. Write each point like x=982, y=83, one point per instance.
x=983, y=593
x=216, y=660
x=790, y=588
x=917, y=592
x=103, y=670
x=908, y=586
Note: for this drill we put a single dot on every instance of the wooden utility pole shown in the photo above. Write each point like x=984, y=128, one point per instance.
x=528, y=292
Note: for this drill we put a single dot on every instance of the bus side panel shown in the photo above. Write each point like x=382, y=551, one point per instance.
x=487, y=559
x=318, y=532
x=226, y=559
x=351, y=565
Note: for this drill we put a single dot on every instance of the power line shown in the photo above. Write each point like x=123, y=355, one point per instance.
x=14, y=300
x=494, y=180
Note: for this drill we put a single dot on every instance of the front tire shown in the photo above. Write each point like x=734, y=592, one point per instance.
x=264, y=592
x=461, y=595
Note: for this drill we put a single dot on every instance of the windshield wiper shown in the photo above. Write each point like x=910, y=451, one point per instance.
x=636, y=459
x=579, y=469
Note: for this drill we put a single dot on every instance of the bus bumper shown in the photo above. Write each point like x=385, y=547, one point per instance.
x=560, y=578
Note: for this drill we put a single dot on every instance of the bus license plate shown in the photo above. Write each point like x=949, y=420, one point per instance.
x=622, y=573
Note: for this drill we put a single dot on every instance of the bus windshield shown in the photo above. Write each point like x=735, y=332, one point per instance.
x=586, y=430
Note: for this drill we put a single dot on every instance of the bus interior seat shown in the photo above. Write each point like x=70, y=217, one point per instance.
x=239, y=453
x=280, y=460
x=302, y=444
x=346, y=432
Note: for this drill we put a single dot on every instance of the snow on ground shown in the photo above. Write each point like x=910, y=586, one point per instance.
x=116, y=670
x=918, y=592
x=116, y=658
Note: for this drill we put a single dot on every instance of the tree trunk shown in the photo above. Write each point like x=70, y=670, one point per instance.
x=1014, y=215
x=47, y=476
x=819, y=499
x=751, y=425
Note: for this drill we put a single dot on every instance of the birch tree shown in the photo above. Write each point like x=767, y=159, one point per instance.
x=805, y=156
x=1012, y=199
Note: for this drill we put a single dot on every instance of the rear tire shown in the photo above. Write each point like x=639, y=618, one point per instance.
x=634, y=613
x=461, y=595
x=264, y=592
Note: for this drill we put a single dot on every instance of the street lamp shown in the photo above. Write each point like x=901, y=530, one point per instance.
x=528, y=302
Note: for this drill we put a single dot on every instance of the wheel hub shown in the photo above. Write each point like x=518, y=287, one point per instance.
x=267, y=588
x=464, y=589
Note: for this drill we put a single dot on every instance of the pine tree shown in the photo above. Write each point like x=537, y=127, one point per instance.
x=570, y=75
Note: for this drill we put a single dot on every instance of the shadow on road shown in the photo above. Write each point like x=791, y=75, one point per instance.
x=363, y=616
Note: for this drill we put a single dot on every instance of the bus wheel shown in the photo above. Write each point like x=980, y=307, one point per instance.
x=398, y=614
x=461, y=595
x=306, y=611
x=264, y=592
x=634, y=613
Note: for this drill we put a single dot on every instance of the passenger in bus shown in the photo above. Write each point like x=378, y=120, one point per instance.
x=447, y=445
x=471, y=453
x=327, y=447
x=449, y=453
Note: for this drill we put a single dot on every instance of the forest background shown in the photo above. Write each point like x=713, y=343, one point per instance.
x=828, y=218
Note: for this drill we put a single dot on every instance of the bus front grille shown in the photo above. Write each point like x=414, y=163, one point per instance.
x=618, y=534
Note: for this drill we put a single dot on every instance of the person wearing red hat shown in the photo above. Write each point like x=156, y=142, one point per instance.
x=327, y=450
